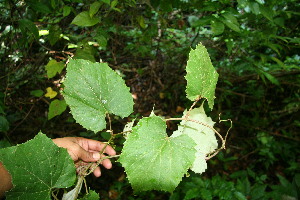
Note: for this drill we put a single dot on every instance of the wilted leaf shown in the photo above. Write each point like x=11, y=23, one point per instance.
x=203, y=136
x=50, y=93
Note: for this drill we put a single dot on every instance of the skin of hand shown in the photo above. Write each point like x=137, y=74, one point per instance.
x=5, y=181
x=86, y=150
x=80, y=149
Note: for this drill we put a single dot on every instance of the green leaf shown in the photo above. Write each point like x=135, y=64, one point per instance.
x=102, y=41
x=26, y=24
x=92, y=195
x=4, y=125
x=37, y=93
x=271, y=78
x=230, y=21
x=84, y=19
x=204, y=137
x=201, y=76
x=86, y=53
x=94, y=8
x=94, y=89
x=37, y=167
x=54, y=34
x=66, y=10
x=154, y=161
x=56, y=108
x=141, y=20
x=217, y=27
x=267, y=12
x=54, y=67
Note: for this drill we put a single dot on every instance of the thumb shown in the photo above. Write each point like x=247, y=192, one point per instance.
x=88, y=156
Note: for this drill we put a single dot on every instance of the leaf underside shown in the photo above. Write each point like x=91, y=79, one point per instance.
x=154, y=161
x=94, y=89
x=201, y=76
x=37, y=167
x=204, y=137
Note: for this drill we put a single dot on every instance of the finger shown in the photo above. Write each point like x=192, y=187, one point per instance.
x=95, y=145
x=84, y=155
x=107, y=164
x=97, y=172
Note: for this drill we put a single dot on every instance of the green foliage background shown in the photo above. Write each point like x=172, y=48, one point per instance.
x=254, y=44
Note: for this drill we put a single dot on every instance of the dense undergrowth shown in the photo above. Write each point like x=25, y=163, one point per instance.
x=253, y=44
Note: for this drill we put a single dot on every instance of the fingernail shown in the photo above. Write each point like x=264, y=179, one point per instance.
x=96, y=156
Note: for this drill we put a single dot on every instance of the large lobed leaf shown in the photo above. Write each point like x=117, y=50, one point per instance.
x=92, y=90
x=201, y=76
x=154, y=161
x=37, y=167
x=204, y=137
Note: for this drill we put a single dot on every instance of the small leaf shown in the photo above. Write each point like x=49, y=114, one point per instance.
x=50, y=93
x=141, y=21
x=37, y=93
x=37, y=167
x=271, y=78
x=84, y=19
x=56, y=108
x=94, y=8
x=66, y=10
x=167, y=159
x=94, y=89
x=73, y=194
x=54, y=34
x=4, y=125
x=217, y=27
x=53, y=67
x=203, y=136
x=26, y=24
x=201, y=76
x=231, y=21
x=92, y=195
x=102, y=41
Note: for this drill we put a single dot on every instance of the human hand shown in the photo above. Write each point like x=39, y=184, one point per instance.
x=86, y=150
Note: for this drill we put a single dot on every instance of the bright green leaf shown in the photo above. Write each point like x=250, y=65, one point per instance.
x=203, y=136
x=56, y=108
x=94, y=89
x=26, y=24
x=54, y=67
x=84, y=19
x=40, y=164
x=167, y=159
x=201, y=76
